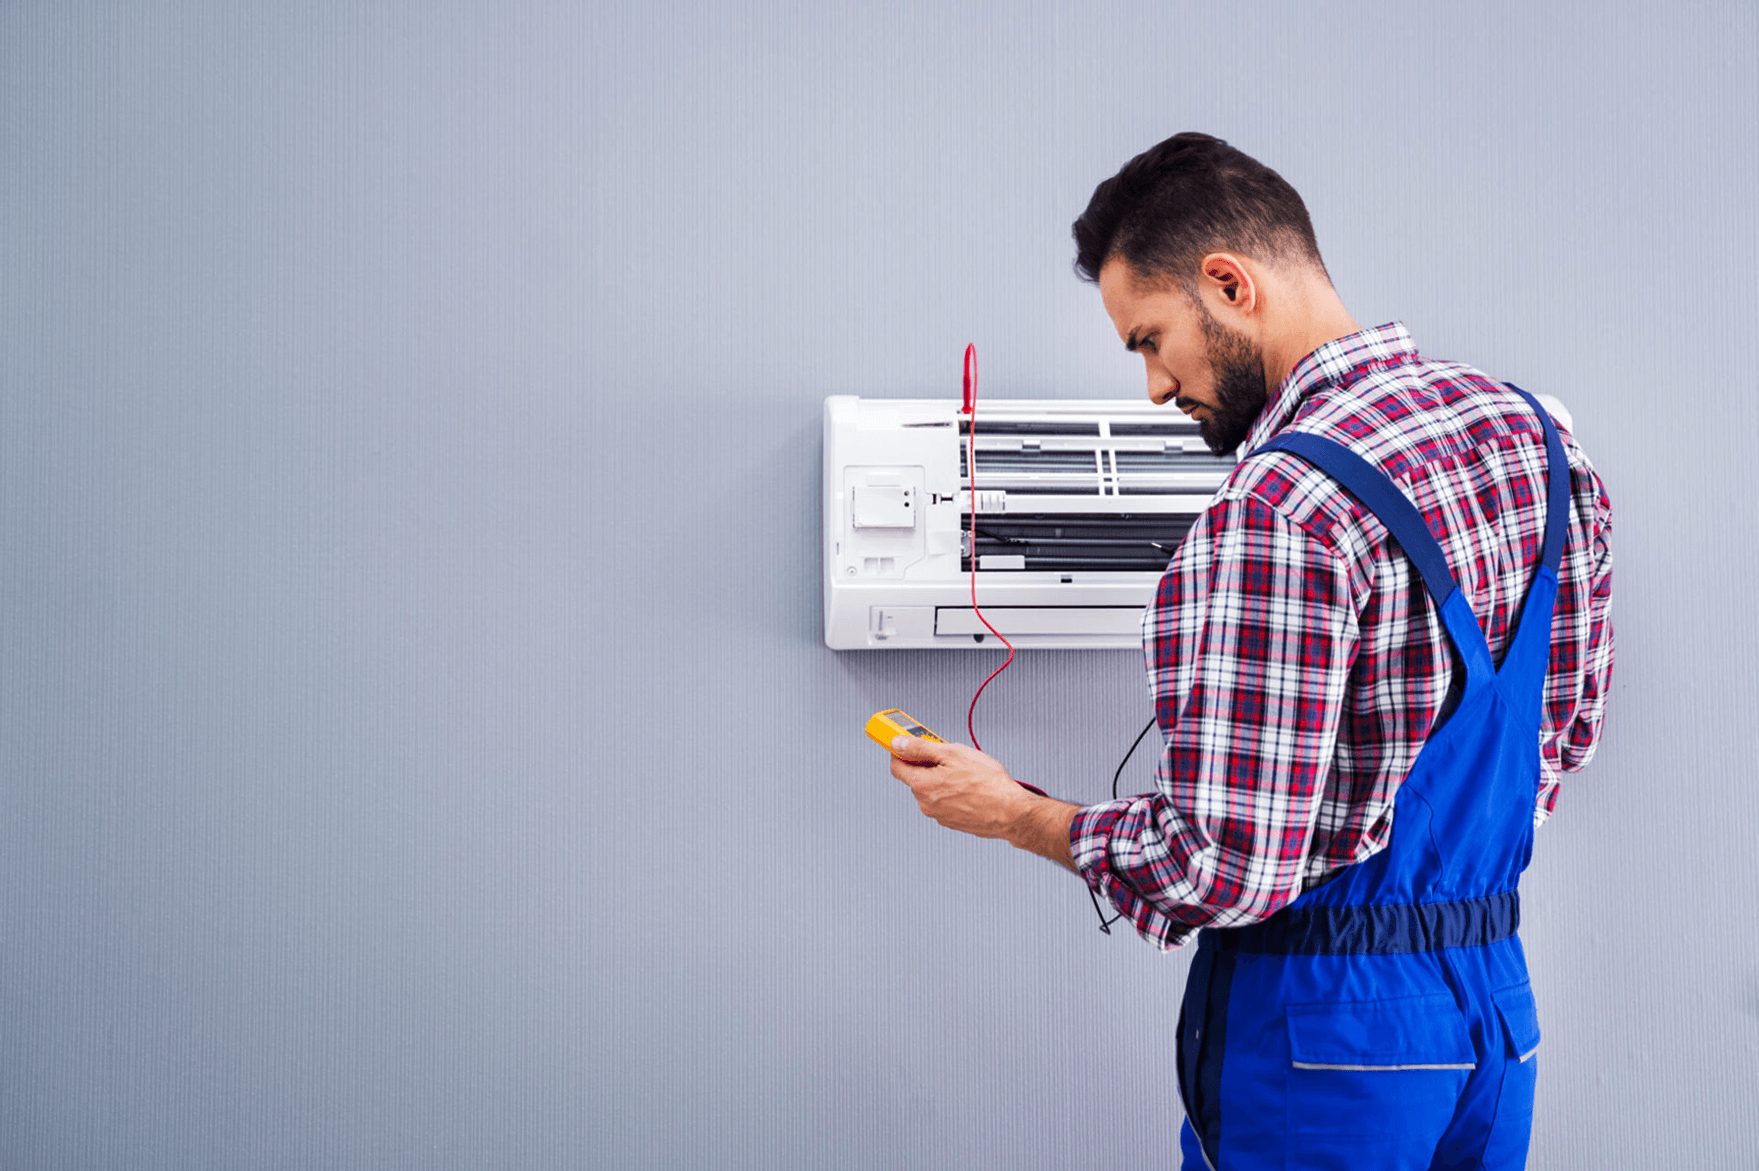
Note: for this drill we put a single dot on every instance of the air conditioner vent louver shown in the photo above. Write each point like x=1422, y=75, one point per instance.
x=1073, y=541
x=987, y=426
x=1172, y=427
x=1167, y=461
x=1001, y=463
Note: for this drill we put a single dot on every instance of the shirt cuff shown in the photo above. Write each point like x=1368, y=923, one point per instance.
x=1090, y=836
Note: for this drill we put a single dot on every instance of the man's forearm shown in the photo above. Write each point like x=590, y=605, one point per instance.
x=1043, y=829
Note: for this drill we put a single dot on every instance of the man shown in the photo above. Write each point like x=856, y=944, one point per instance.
x=1361, y=730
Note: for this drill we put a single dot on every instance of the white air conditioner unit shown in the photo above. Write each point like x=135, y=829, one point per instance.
x=1080, y=505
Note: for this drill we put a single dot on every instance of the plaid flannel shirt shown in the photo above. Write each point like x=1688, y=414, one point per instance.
x=1297, y=662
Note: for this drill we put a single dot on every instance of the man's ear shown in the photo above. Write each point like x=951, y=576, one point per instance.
x=1229, y=282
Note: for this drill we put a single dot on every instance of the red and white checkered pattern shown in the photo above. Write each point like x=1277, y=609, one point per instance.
x=1296, y=660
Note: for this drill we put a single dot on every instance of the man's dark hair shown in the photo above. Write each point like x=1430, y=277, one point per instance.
x=1189, y=196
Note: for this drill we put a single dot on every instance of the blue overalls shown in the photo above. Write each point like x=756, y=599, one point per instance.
x=1384, y=1018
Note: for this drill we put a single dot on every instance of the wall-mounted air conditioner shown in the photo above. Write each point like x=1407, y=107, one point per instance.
x=1080, y=505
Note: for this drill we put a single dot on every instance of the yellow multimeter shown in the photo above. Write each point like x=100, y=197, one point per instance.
x=895, y=722
x=882, y=726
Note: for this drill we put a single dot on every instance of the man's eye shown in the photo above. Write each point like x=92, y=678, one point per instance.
x=1148, y=344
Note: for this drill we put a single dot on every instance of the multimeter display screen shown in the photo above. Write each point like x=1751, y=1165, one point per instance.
x=918, y=730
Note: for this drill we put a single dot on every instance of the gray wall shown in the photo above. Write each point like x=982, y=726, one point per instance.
x=418, y=747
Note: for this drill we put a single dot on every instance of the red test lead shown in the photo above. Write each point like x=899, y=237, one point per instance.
x=970, y=412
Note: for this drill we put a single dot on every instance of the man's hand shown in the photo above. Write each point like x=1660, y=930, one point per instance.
x=969, y=791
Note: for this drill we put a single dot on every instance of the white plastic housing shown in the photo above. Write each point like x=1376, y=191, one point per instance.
x=1080, y=502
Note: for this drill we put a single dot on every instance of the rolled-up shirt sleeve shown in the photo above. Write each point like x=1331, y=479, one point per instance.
x=1249, y=643
x=1579, y=675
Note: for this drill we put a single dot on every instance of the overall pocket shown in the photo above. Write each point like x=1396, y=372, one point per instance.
x=1513, y=1123
x=1386, y=1071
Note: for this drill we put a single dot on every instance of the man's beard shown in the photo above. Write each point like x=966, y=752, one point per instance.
x=1238, y=366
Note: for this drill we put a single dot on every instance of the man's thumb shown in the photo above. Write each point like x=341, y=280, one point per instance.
x=915, y=748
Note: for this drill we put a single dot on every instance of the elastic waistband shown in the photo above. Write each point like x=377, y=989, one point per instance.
x=1373, y=930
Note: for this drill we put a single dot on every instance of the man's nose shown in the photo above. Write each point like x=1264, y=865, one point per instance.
x=1161, y=386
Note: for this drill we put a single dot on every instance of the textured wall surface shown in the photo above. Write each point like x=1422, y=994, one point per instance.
x=417, y=749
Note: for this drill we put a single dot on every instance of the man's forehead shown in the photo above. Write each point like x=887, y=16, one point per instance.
x=1132, y=299
x=1119, y=276
x=1121, y=290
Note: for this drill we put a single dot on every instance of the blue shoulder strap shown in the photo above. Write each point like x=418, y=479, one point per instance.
x=1380, y=496
x=1407, y=527
x=1557, y=485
